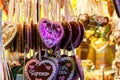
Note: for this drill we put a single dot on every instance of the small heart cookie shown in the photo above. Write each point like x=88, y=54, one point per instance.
x=66, y=69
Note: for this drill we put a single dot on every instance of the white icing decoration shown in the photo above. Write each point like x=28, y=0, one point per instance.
x=32, y=72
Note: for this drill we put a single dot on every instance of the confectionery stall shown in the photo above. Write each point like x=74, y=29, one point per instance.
x=59, y=39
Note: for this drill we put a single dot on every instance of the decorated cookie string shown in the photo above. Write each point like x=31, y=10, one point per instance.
x=78, y=64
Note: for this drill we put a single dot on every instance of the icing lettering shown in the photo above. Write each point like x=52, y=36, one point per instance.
x=33, y=73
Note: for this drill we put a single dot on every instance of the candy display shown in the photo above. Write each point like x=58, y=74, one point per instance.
x=29, y=36
x=97, y=31
x=59, y=39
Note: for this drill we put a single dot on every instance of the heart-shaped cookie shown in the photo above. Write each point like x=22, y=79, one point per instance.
x=82, y=33
x=67, y=35
x=66, y=69
x=76, y=31
x=9, y=31
x=50, y=32
x=77, y=41
x=36, y=70
x=82, y=30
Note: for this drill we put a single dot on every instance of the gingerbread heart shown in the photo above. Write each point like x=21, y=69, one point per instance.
x=76, y=32
x=36, y=70
x=67, y=35
x=50, y=32
x=9, y=32
x=66, y=69
x=77, y=41
x=82, y=33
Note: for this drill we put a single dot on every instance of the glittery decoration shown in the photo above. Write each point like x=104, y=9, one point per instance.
x=51, y=32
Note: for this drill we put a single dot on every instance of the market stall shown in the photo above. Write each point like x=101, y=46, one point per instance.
x=59, y=39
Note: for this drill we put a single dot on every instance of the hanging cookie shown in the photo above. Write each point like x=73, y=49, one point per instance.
x=40, y=70
x=75, y=34
x=67, y=35
x=28, y=37
x=82, y=33
x=51, y=32
x=66, y=69
x=22, y=38
x=77, y=41
x=32, y=35
x=37, y=39
x=19, y=38
x=9, y=32
x=13, y=46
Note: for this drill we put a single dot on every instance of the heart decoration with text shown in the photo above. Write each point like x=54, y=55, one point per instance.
x=66, y=69
x=40, y=70
x=51, y=32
